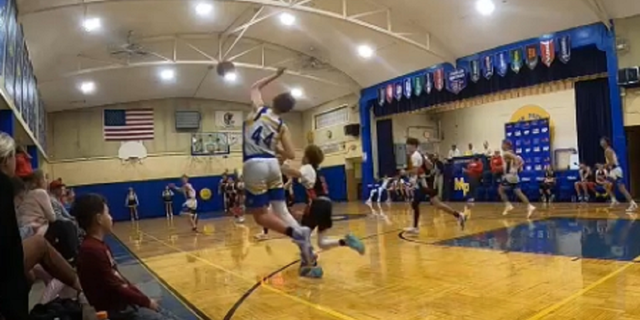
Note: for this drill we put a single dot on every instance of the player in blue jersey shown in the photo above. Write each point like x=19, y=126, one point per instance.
x=379, y=189
x=265, y=139
x=511, y=180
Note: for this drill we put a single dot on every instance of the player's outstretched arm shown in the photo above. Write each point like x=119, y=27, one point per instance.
x=256, y=88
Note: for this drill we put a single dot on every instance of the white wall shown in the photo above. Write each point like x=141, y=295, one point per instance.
x=486, y=122
x=408, y=124
x=628, y=29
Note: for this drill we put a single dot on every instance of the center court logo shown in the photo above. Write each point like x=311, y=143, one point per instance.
x=460, y=185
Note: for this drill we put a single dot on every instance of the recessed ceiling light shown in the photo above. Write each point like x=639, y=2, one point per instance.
x=297, y=93
x=167, y=74
x=230, y=76
x=204, y=8
x=287, y=19
x=365, y=51
x=91, y=24
x=485, y=7
x=88, y=87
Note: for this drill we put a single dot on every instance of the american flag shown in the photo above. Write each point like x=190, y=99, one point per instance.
x=122, y=125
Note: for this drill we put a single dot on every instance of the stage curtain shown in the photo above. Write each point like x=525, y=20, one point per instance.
x=593, y=118
x=585, y=61
x=386, y=157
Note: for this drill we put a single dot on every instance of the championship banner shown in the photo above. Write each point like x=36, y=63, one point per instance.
x=417, y=86
x=487, y=63
x=516, y=60
x=503, y=65
x=17, y=86
x=457, y=80
x=10, y=54
x=565, y=49
x=438, y=79
x=381, y=96
x=228, y=119
x=398, y=91
x=407, y=88
x=547, y=52
x=3, y=35
x=474, y=66
x=532, y=56
x=428, y=82
x=389, y=93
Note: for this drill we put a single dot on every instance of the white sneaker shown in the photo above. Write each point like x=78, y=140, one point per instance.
x=240, y=219
x=507, y=209
x=530, y=210
x=412, y=230
x=632, y=207
x=614, y=203
x=261, y=236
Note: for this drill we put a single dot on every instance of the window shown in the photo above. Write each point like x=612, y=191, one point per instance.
x=332, y=118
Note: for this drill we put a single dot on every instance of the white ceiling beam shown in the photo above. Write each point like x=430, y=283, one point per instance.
x=248, y=25
x=290, y=5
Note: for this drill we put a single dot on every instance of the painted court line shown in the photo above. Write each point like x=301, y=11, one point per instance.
x=545, y=312
x=324, y=309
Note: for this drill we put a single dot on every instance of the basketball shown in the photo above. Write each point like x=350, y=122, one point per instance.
x=225, y=67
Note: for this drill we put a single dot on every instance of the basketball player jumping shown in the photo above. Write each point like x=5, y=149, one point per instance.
x=423, y=181
x=379, y=191
x=263, y=129
x=511, y=180
x=190, y=205
x=319, y=208
x=616, y=175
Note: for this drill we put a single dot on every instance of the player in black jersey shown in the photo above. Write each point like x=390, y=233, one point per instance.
x=319, y=208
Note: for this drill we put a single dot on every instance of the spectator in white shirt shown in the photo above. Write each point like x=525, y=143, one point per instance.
x=487, y=151
x=454, y=152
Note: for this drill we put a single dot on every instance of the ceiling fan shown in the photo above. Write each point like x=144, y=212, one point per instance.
x=129, y=49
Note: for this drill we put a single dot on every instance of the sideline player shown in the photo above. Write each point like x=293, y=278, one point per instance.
x=190, y=206
x=424, y=186
x=616, y=175
x=511, y=180
x=262, y=131
x=319, y=208
x=379, y=190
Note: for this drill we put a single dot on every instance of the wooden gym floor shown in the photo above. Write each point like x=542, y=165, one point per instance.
x=570, y=262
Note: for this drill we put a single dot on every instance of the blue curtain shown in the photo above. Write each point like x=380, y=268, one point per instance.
x=386, y=157
x=593, y=118
x=336, y=178
x=588, y=60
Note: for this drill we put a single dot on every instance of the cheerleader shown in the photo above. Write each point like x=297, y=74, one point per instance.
x=222, y=188
x=240, y=193
x=132, y=203
x=167, y=197
x=232, y=200
x=190, y=206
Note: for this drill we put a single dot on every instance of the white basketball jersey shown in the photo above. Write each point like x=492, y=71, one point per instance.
x=261, y=134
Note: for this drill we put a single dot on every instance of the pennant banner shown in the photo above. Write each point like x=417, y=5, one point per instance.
x=487, y=64
x=532, y=56
x=457, y=80
x=565, y=49
x=407, y=88
x=417, y=85
x=389, y=93
x=398, y=92
x=475, y=70
x=547, y=52
x=516, y=60
x=381, y=94
x=503, y=65
x=428, y=82
x=438, y=79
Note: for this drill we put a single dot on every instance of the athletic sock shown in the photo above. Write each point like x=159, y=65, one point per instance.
x=265, y=231
x=288, y=231
x=343, y=243
x=416, y=217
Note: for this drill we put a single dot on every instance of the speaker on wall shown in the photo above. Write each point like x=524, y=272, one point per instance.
x=352, y=130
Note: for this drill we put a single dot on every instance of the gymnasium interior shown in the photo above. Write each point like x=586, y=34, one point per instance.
x=110, y=97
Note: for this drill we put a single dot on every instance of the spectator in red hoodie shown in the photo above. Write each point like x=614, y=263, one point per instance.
x=496, y=163
x=105, y=287
x=23, y=163
x=474, y=172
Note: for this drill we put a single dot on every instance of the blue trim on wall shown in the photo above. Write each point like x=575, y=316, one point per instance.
x=596, y=34
x=33, y=152
x=150, y=192
x=6, y=122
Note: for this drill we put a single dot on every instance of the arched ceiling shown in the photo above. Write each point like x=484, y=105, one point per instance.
x=319, y=50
